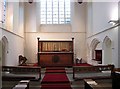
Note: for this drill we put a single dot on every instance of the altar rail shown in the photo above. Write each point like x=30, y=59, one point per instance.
x=21, y=72
x=93, y=72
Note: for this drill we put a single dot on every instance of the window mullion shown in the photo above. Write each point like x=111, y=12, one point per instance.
x=46, y=11
x=3, y=16
x=58, y=12
x=52, y=11
x=64, y=11
x=59, y=15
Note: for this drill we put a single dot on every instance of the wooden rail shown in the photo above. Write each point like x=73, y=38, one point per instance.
x=17, y=71
x=92, y=71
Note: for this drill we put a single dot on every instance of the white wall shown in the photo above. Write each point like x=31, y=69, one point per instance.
x=13, y=30
x=15, y=47
x=99, y=46
x=1, y=10
x=33, y=30
x=9, y=16
x=119, y=35
x=78, y=17
x=20, y=31
x=100, y=14
x=30, y=17
x=119, y=46
x=0, y=59
x=89, y=19
x=15, y=18
x=107, y=52
x=56, y=28
x=0, y=47
x=114, y=39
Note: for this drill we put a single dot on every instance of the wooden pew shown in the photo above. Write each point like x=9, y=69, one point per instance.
x=116, y=78
x=97, y=84
x=92, y=72
x=113, y=83
x=23, y=84
x=21, y=73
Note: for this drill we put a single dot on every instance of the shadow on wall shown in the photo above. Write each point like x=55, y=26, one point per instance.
x=107, y=46
x=0, y=64
x=93, y=46
x=4, y=49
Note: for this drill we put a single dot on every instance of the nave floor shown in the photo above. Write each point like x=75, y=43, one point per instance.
x=37, y=84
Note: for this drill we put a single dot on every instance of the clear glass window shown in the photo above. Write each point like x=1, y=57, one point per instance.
x=55, y=11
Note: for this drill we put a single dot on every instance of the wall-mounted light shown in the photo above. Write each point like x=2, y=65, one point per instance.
x=30, y=1
x=80, y=1
x=114, y=22
x=1, y=22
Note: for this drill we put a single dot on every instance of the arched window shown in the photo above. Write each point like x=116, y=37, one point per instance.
x=55, y=11
x=3, y=11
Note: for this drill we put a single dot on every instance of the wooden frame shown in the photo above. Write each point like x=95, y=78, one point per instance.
x=98, y=56
x=116, y=78
x=55, y=52
x=22, y=70
x=93, y=70
x=97, y=84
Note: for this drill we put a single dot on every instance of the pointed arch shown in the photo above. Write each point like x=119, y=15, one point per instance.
x=94, y=43
x=4, y=49
x=93, y=46
x=88, y=51
x=0, y=63
x=107, y=47
x=107, y=41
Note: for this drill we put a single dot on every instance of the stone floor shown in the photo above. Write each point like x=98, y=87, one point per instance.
x=37, y=84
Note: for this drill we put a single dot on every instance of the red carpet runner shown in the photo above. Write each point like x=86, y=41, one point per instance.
x=82, y=64
x=55, y=70
x=55, y=79
x=56, y=86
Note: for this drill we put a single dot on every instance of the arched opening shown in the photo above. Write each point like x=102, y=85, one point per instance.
x=107, y=47
x=0, y=54
x=4, y=50
x=88, y=52
x=95, y=46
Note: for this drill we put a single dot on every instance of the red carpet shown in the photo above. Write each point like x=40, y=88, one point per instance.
x=56, y=86
x=55, y=78
x=55, y=68
x=55, y=71
x=82, y=64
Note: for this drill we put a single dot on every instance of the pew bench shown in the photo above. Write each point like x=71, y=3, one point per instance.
x=23, y=84
x=92, y=72
x=97, y=84
x=21, y=73
x=113, y=83
x=116, y=78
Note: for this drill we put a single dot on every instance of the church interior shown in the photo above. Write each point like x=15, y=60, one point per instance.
x=59, y=44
